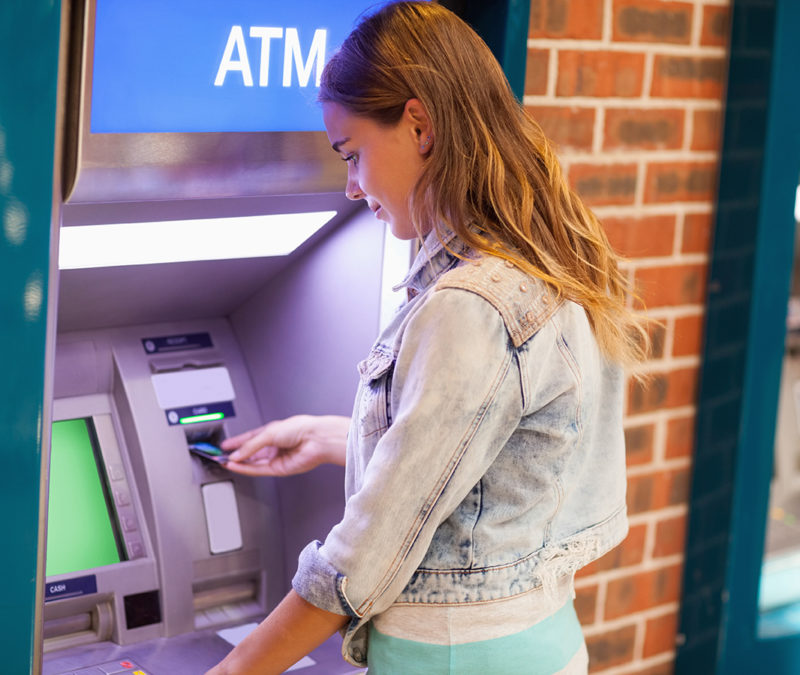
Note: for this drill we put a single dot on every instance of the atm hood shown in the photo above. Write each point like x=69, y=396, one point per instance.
x=129, y=167
x=148, y=177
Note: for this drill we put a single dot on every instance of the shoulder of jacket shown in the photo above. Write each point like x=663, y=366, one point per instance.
x=524, y=302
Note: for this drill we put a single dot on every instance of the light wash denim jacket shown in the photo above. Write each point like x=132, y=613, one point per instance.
x=486, y=455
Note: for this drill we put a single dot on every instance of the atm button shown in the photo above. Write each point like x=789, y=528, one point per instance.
x=114, y=667
x=116, y=471
x=129, y=523
x=119, y=667
x=121, y=497
x=135, y=549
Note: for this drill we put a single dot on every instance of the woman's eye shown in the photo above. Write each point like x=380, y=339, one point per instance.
x=352, y=158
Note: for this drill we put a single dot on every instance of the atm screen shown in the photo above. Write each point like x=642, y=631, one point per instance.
x=81, y=531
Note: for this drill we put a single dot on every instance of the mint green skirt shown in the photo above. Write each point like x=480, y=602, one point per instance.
x=545, y=648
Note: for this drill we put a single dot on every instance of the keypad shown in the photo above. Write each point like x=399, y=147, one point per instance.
x=111, y=668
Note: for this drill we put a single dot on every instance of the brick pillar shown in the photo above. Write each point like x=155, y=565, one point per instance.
x=631, y=91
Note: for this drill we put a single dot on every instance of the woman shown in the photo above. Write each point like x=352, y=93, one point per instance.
x=485, y=457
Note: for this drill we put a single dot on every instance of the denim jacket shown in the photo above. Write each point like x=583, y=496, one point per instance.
x=486, y=454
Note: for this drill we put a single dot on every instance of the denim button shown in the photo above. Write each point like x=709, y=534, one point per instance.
x=509, y=264
x=530, y=316
x=495, y=277
x=523, y=288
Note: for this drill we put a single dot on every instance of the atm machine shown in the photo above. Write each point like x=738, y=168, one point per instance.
x=181, y=117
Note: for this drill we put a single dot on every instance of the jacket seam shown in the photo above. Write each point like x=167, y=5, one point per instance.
x=475, y=524
x=569, y=358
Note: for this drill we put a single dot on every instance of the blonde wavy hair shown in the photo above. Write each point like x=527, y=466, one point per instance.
x=492, y=176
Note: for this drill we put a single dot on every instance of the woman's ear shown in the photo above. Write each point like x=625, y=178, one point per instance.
x=416, y=116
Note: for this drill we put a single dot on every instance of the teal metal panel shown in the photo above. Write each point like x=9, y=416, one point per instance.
x=742, y=651
x=503, y=24
x=745, y=330
x=29, y=50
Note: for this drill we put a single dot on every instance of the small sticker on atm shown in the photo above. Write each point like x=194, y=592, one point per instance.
x=175, y=343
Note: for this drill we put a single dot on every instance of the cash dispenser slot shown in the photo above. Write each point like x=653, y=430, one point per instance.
x=233, y=601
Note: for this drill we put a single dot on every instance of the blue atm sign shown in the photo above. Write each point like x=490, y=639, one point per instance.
x=212, y=66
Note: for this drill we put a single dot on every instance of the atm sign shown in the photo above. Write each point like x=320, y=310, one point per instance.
x=210, y=66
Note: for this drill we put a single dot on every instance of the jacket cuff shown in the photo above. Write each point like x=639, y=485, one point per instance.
x=320, y=583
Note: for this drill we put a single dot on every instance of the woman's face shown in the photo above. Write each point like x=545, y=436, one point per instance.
x=383, y=162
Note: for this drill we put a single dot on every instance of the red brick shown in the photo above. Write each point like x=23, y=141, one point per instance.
x=688, y=77
x=652, y=21
x=670, y=537
x=586, y=604
x=567, y=127
x=600, y=185
x=599, y=73
x=680, y=437
x=643, y=590
x=577, y=19
x=612, y=648
x=536, y=69
x=642, y=236
x=658, y=335
x=681, y=182
x=659, y=635
x=630, y=552
x=671, y=285
x=639, y=444
x=688, y=339
x=661, y=669
x=716, y=26
x=697, y=233
x=671, y=389
x=644, y=129
x=657, y=490
x=707, y=132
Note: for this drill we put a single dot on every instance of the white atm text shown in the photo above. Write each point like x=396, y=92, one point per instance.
x=235, y=58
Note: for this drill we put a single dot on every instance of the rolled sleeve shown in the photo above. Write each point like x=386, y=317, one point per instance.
x=456, y=399
x=319, y=582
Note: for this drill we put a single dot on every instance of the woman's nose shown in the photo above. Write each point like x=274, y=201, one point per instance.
x=353, y=190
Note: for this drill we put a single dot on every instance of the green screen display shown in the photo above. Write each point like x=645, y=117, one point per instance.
x=80, y=533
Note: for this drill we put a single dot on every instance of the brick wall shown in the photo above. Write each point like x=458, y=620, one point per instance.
x=631, y=91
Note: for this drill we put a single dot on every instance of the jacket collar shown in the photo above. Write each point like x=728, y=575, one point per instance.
x=432, y=260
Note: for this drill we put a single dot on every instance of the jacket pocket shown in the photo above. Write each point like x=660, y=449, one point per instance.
x=374, y=405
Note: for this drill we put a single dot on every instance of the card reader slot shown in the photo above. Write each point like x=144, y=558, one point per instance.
x=211, y=433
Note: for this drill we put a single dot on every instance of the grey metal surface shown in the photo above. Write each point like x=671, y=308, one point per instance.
x=121, y=296
x=302, y=336
x=184, y=655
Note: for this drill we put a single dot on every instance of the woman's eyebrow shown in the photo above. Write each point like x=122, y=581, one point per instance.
x=336, y=145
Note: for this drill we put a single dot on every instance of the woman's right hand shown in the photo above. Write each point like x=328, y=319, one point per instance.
x=290, y=446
